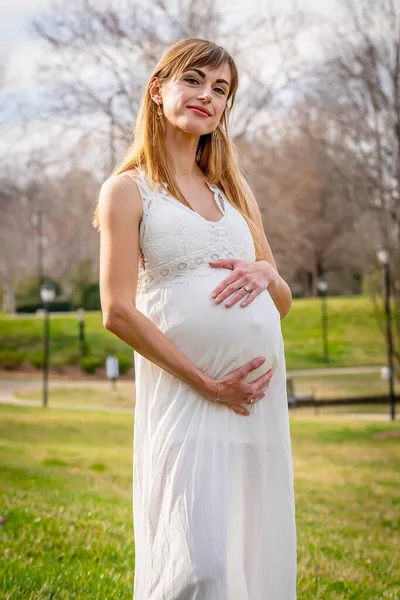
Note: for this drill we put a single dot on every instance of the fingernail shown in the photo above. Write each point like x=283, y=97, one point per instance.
x=213, y=294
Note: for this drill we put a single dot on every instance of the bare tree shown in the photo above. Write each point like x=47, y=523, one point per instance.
x=62, y=205
x=100, y=55
x=16, y=234
x=309, y=222
x=358, y=93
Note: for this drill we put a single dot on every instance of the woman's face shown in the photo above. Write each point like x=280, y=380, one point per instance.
x=196, y=100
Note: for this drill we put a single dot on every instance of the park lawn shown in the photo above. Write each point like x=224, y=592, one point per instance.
x=66, y=481
x=354, y=335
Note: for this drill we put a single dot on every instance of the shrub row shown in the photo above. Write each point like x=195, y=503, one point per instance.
x=11, y=359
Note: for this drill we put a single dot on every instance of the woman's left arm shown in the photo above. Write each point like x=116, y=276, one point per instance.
x=280, y=292
x=257, y=276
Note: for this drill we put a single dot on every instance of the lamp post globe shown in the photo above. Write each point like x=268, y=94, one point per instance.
x=322, y=285
x=383, y=256
x=47, y=293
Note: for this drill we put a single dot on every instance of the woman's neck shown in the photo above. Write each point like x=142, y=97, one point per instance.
x=181, y=150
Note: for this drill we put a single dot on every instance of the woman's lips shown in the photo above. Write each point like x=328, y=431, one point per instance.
x=198, y=111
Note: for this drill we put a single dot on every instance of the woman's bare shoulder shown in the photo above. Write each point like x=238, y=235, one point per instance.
x=120, y=194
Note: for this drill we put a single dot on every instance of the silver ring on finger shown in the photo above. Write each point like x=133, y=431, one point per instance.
x=246, y=287
x=251, y=401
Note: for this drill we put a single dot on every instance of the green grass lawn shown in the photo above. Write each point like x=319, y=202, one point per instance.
x=66, y=480
x=354, y=335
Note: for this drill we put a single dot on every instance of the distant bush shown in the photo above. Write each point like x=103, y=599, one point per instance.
x=60, y=304
x=67, y=356
x=29, y=291
x=91, y=297
x=11, y=359
x=124, y=362
x=89, y=364
x=36, y=358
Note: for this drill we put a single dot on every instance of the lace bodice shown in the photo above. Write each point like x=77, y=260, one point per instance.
x=176, y=242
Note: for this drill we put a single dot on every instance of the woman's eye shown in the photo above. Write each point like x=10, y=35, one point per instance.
x=191, y=79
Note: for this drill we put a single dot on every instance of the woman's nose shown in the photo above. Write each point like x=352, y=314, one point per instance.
x=204, y=95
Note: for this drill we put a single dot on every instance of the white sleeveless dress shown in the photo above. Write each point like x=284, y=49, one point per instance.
x=213, y=494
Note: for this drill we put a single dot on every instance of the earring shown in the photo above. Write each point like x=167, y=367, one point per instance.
x=159, y=113
x=215, y=134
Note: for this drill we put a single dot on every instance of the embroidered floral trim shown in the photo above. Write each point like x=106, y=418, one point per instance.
x=177, y=243
x=167, y=274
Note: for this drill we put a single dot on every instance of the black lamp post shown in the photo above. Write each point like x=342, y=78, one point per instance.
x=322, y=286
x=47, y=294
x=383, y=259
x=81, y=321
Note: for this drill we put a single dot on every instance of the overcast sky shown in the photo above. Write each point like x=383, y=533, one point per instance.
x=13, y=15
x=23, y=51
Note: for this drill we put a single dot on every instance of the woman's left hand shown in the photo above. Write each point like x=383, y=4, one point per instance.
x=257, y=276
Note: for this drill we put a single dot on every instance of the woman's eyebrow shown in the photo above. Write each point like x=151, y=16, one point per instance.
x=203, y=75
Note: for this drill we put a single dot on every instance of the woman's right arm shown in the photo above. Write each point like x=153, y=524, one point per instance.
x=120, y=212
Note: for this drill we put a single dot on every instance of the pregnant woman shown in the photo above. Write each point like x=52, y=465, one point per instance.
x=188, y=280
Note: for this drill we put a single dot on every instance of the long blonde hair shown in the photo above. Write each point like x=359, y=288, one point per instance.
x=217, y=157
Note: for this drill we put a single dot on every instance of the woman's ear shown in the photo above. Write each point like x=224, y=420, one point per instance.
x=155, y=90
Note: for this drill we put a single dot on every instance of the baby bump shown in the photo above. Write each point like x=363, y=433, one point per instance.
x=216, y=338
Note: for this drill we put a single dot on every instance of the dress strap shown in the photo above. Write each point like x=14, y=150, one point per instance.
x=218, y=197
x=141, y=183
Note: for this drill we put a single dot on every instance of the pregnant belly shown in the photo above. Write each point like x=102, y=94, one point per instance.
x=215, y=338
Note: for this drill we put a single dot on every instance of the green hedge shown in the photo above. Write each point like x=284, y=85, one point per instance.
x=11, y=359
x=58, y=305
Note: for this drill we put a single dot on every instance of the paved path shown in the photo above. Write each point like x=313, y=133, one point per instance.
x=334, y=371
x=342, y=416
x=10, y=387
x=15, y=383
x=58, y=405
x=294, y=413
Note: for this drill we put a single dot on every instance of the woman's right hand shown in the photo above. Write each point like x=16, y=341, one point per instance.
x=235, y=391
